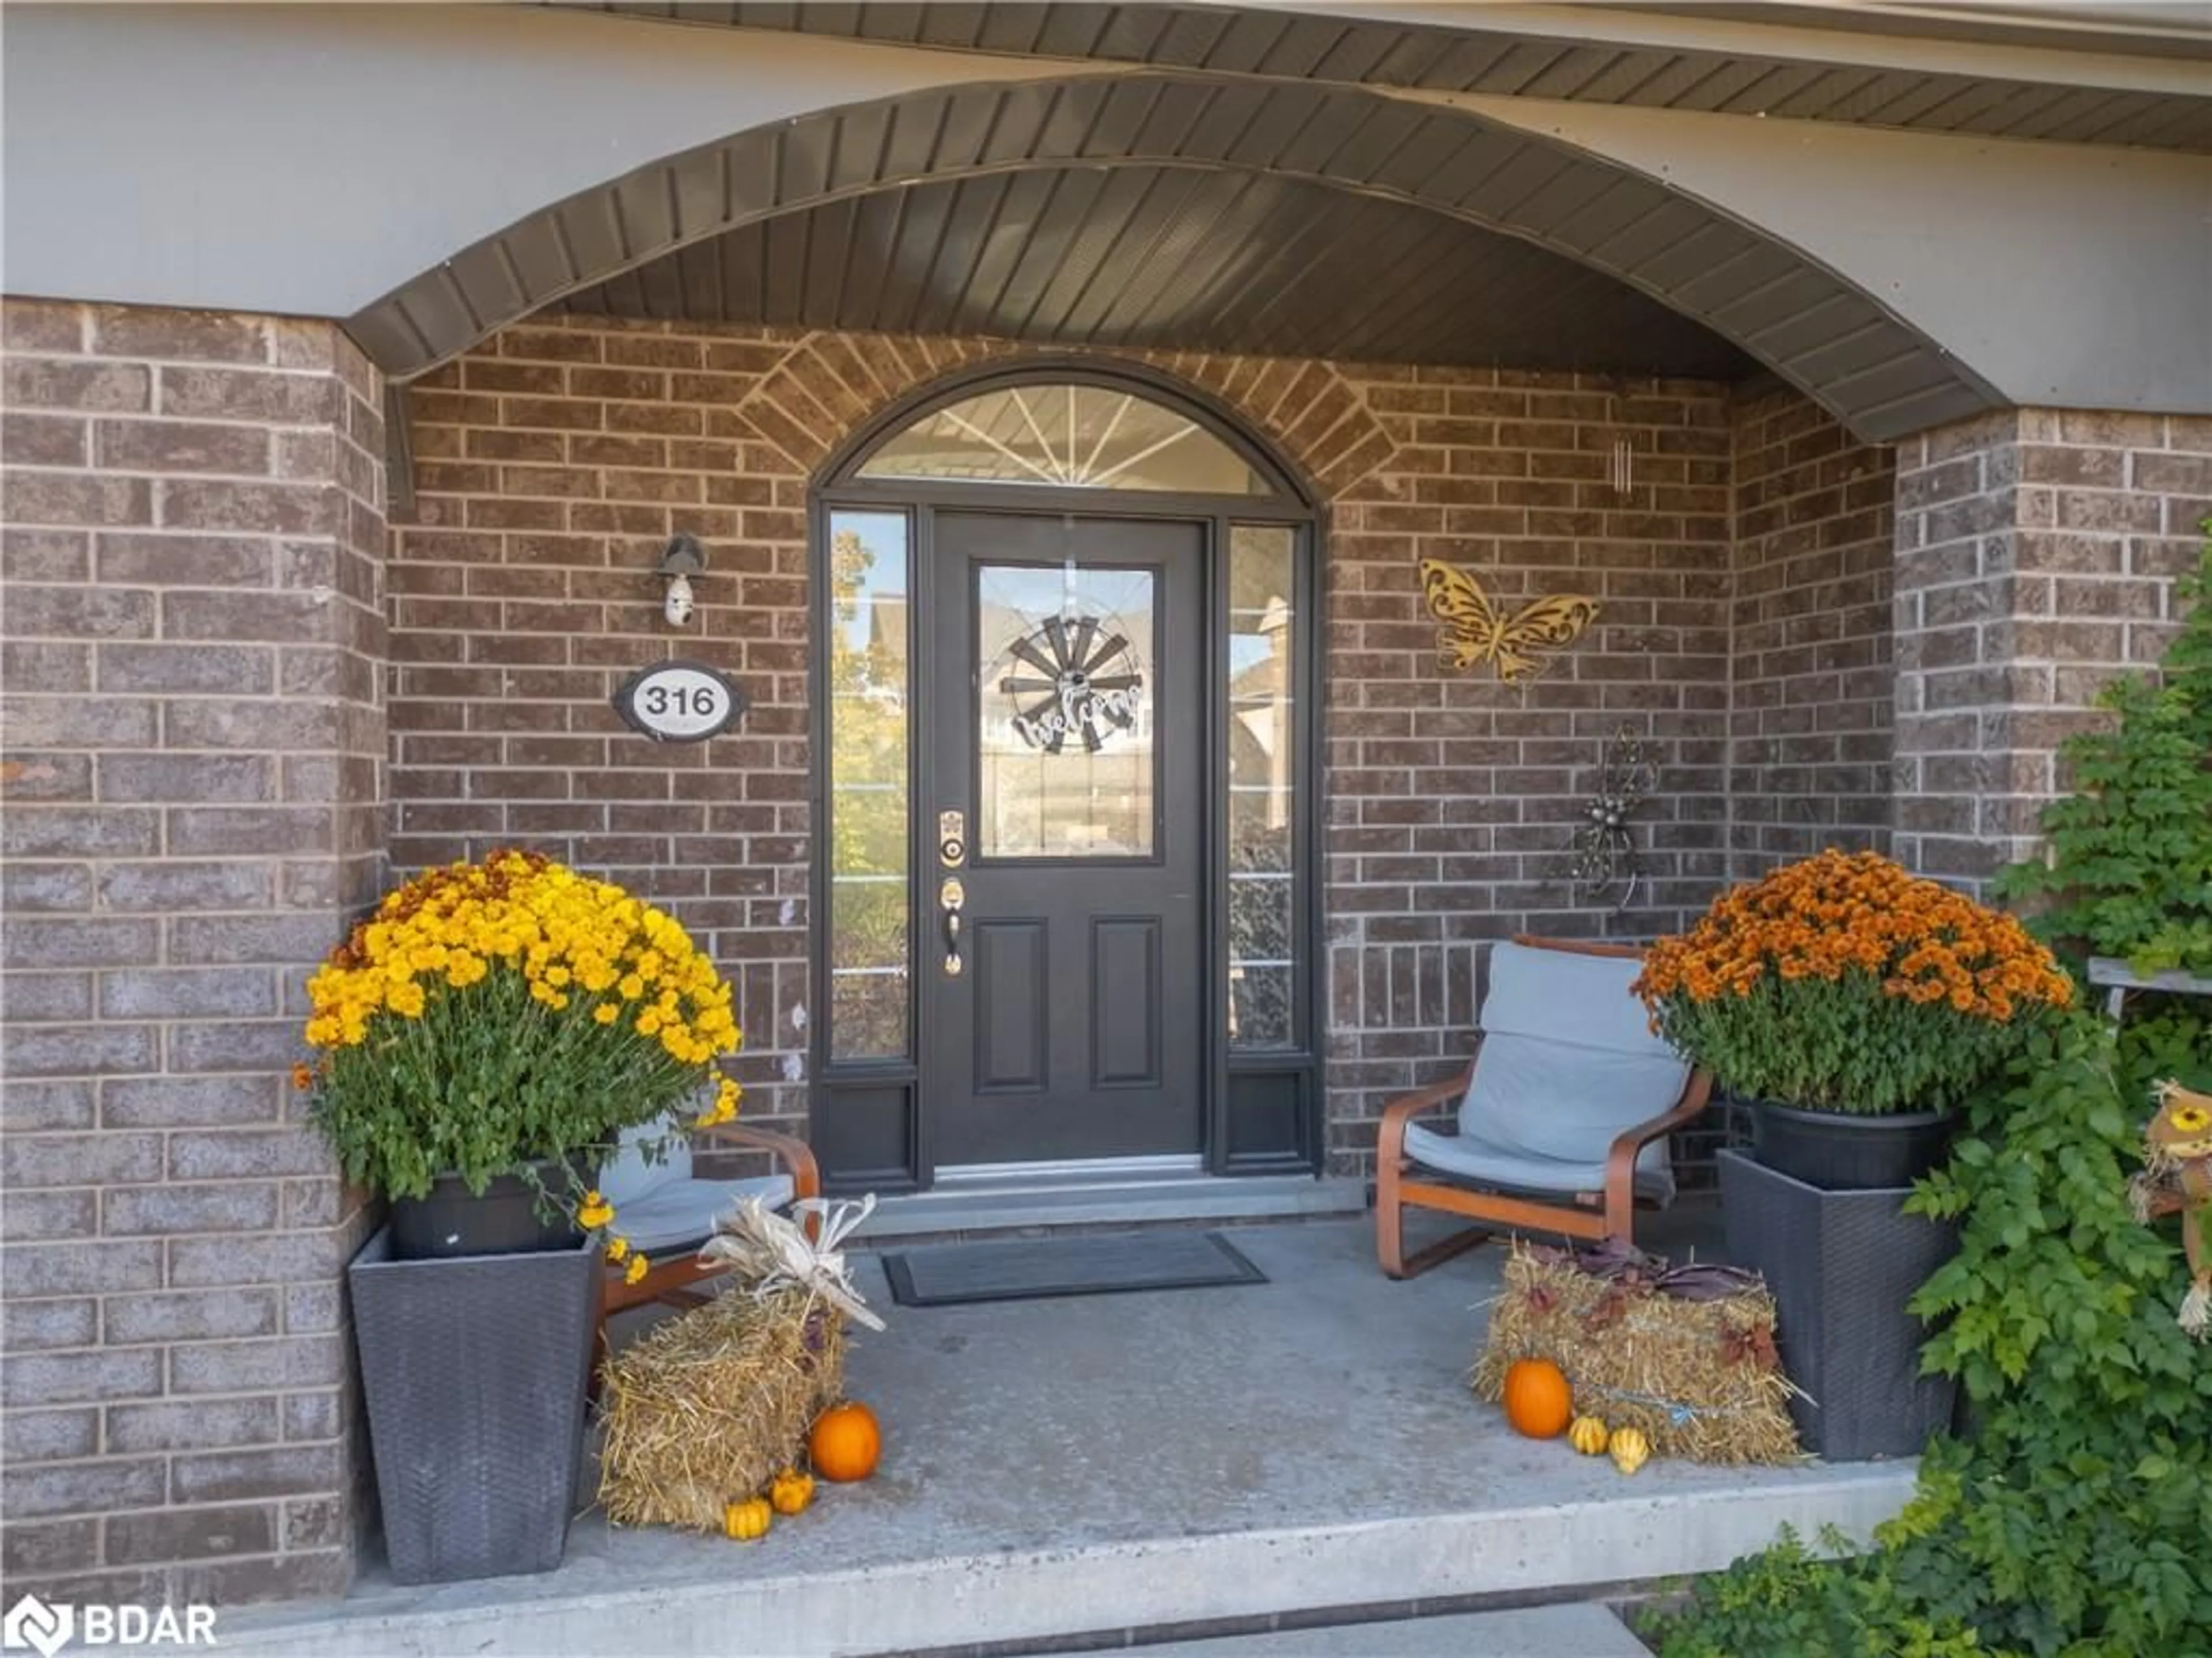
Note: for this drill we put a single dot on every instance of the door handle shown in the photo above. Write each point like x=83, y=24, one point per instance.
x=950, y=897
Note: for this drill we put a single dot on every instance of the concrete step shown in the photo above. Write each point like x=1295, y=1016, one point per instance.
x=1583, y=1630
x=727, y=1607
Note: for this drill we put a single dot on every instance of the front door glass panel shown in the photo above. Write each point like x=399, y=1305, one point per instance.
x=1263, y=780
x=1066, y=696
x=868, y=686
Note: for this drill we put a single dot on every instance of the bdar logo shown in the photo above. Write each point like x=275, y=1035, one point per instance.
x=32, y=1623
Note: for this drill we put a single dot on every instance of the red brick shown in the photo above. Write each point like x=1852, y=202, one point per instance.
x=84, y=385
x=170, y=446
x=179, y=336
x=42, y=440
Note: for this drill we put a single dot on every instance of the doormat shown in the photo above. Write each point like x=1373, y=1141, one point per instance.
x=1031, y=1269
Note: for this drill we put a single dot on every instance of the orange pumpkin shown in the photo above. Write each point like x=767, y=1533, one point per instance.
x=845, y=1443
x=1538, y=1401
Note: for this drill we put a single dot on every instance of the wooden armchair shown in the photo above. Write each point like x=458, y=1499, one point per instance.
x=666, y=1214
x=1562, y=1112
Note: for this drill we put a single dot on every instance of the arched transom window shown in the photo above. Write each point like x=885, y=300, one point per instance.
x=1066, y=435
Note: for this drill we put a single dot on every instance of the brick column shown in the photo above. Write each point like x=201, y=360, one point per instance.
x=194, y=748
x=2036, y=553
x=1810, y=715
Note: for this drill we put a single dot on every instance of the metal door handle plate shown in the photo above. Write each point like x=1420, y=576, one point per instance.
x=950, y=897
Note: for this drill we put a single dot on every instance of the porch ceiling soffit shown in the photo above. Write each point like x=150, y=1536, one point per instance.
x=1797, y=315
x=2067, y=276
x=1148, y=257
x=2080, y=84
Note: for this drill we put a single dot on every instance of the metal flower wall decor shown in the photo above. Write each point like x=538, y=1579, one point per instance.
x=1605, y=861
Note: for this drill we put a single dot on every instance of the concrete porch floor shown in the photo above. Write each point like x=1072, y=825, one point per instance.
x=1120, y=1467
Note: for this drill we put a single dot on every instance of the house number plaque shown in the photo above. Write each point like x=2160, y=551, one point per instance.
x=679, y=702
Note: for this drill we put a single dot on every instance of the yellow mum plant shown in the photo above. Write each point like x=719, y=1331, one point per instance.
x=1843, y=983
x=494, y=1016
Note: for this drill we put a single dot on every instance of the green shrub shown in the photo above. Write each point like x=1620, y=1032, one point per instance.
x=2077, y=1522
x=2130, y=867
x=2072, y=1524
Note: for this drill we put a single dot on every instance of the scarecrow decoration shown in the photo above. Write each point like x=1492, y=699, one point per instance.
x=2176, y=1179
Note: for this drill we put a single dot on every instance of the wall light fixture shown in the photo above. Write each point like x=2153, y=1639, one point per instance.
x=681, y=559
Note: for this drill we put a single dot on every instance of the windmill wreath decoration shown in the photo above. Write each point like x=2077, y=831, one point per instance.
x=1083, y=681
x=1604, y=860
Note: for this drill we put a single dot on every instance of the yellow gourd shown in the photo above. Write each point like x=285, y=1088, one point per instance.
x=790, y=1491
x=748, y=1520
x=1588, y=1435
x=1631, y=1449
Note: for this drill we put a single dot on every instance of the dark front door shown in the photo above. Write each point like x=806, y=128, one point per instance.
x=1064, y=725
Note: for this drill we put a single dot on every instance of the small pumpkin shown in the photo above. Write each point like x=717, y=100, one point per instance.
x=1631, y=1449
x=845, y=1443
x=1538, y=1401
x=790, y=1491
x=1588, y=1435
x=747, y=1521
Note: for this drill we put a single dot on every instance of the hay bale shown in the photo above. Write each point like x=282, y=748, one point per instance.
x=703, y=1409
x=1700, y=1376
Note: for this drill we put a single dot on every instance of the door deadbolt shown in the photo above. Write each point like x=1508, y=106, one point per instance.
x=951, y=839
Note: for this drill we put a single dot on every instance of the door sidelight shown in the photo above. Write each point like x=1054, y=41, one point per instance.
x=950, y=898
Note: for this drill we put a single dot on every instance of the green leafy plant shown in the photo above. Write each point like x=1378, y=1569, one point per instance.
x=1787, y=1600
x=1842, y=983
x=2074, y=1521
x=2129, y=871
x=492, y=1016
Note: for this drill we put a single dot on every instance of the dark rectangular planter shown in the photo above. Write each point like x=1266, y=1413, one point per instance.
x=473, y=1370
x=1842, y=1265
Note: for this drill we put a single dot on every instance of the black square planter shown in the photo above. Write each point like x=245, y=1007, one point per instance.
x=1842, y=1265
x=473, y=1370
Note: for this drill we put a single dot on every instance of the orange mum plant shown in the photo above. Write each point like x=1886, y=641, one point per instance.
x=1842, y=983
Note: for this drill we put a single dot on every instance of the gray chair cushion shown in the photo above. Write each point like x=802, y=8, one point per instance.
x=684, y=1211
x=627, y=1176
x=1555, y=1099
x=1479, y=1163
x=1568, y=1062
x=1560, y=995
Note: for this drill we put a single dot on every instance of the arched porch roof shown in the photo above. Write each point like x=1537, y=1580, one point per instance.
x=1802, y=321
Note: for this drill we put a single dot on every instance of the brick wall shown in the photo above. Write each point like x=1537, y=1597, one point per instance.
x=1452, y=799
x=555, y=460
x=193, y=740
x=1810, y=719
x=2036, y=553
x=194, y=775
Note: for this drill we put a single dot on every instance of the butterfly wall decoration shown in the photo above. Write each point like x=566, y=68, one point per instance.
x=1476, y=630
